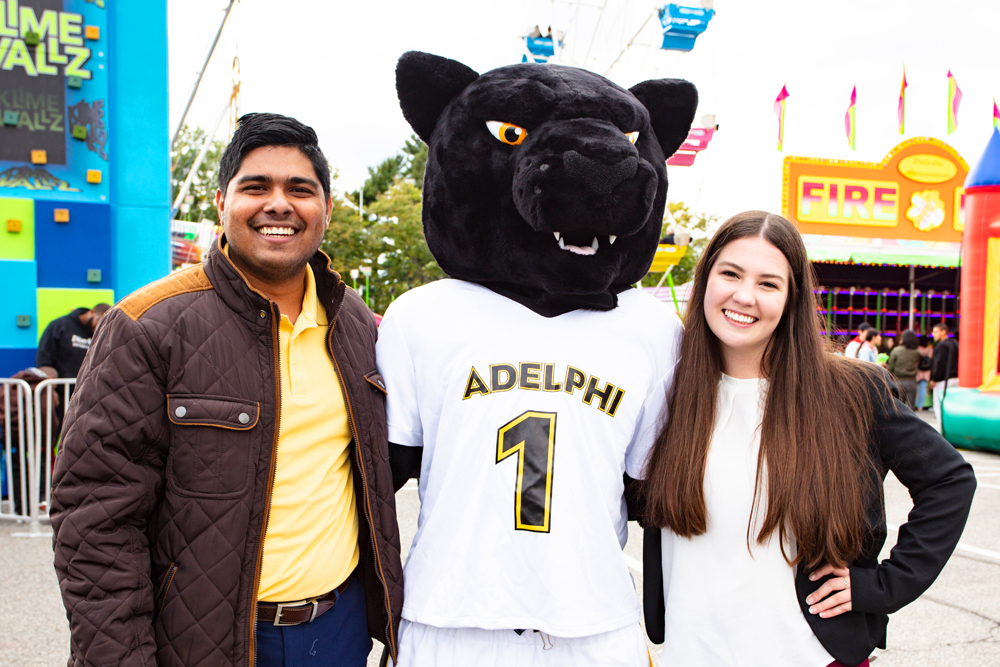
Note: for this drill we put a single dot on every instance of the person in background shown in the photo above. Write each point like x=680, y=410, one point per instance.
x=854, y=346
x=887, y=345
x=904, y=362
x=764, y=516
x=944, y=371
x=924, y=370
x=869, y=347
x=65, y=341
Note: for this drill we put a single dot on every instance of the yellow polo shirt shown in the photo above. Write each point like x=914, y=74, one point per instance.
x=311, y=544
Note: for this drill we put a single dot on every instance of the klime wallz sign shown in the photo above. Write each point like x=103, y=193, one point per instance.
x=54, y=116
x=914, y=193
x=84, y=160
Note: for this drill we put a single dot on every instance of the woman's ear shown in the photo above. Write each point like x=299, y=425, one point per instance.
x=425, y=84
x=671, y=104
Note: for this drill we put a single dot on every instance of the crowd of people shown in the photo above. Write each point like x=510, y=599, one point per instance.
x=917, y=363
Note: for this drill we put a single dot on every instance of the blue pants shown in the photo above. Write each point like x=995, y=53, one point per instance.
x=338, y=638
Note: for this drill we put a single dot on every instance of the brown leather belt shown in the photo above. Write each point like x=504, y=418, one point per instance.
x=302, y=611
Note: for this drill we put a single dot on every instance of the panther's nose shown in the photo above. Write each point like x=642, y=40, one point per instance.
x=599, y=178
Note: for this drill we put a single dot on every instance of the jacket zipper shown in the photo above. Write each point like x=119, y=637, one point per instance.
x=364, y=485
x=252, y=653
x=161, y=594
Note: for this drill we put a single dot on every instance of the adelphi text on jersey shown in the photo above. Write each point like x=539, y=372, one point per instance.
x=538, y=376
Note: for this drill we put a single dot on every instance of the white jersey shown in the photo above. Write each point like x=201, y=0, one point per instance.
x=527, y=424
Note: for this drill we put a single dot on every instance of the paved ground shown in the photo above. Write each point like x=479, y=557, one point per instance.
x=955, y=624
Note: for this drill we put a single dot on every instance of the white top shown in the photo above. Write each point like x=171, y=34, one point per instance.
x=724, y=606
x=851, y=351
x=527, y=424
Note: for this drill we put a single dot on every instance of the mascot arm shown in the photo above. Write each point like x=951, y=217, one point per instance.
x=405, y=463
x=635, y=499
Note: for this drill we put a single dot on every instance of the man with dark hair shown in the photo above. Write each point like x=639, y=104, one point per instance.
x=66, y=340
x=944, y=371
x=223, y=493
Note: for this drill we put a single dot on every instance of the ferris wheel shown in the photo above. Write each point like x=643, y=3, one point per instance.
x=625, y=40
x=629, y=41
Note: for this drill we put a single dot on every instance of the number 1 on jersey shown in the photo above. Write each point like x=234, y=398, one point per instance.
x=532, y=438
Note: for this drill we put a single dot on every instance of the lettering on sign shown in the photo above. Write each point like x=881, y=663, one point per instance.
x=848, y=201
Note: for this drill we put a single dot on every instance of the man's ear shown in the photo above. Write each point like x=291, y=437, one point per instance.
x=671, y=104
x=220, y=203
x=425, y=84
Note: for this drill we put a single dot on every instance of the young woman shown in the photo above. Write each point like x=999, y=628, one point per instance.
x=904, y=362
x=766, y=477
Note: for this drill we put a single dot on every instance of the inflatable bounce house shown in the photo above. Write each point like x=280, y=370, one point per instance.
x=84, y=160
x=971, y=416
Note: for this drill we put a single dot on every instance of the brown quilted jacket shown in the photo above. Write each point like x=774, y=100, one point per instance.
x=158, y=519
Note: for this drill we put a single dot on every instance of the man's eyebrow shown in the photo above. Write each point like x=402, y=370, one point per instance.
x=301, y=180
x=253, y=178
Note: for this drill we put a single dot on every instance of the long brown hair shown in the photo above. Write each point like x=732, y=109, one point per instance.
x=814, y=461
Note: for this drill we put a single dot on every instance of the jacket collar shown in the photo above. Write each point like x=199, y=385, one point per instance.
x=236, y=292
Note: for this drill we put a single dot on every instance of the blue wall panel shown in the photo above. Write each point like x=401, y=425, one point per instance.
x=140, y=160
x=18, y=281
x=14, y=359
x=65, y=250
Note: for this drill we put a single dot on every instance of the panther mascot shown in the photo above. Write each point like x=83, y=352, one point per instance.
x=525, y=390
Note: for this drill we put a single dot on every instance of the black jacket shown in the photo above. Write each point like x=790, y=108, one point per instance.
x=945, y=361
x=941, y=484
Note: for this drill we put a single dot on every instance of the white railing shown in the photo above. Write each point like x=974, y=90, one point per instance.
x=30, y=443
x=20, y=483
x=46, y=440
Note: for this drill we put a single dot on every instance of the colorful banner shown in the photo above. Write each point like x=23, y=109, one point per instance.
x=849, y=118
x=912, y=194
x=954, y=99
x=996, y=114
x=779, y=110
x=901, y=108
x=54, y=134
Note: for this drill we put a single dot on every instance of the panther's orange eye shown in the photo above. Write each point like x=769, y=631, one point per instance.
x=632, y=136
x=508, y=133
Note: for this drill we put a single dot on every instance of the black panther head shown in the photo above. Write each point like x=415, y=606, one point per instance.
x=545, y=183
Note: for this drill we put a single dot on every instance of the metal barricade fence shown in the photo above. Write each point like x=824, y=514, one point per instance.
x=19, y=491
x=47, y=438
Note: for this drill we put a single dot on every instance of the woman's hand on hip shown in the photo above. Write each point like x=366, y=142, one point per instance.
x=833, y=598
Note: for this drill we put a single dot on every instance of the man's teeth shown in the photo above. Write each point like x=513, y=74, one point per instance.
x=277, y=231
x=737, y=317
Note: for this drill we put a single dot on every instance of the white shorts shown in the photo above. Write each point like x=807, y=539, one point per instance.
x=427, y=646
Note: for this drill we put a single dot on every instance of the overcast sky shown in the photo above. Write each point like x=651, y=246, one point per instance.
x=331, y=65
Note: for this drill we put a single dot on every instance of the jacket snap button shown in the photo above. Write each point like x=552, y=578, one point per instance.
x=244, y=418
x=180, y=412
x=263, y=314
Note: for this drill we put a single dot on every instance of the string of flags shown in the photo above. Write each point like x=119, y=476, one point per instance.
x=901, y=109
x=954, y=101
x=849, y=118
x=779, y=110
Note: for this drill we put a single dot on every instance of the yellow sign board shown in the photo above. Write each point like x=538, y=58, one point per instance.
x=667, y=256
x=914, y=193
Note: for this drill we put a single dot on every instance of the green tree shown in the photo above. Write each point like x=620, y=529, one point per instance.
x=389, y=237
x=417, y=160
x=701, y=227
x=199, y=203
x=380, y=179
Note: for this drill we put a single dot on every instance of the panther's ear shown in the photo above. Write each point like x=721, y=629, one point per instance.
x=671, y=104
x=425, y=84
